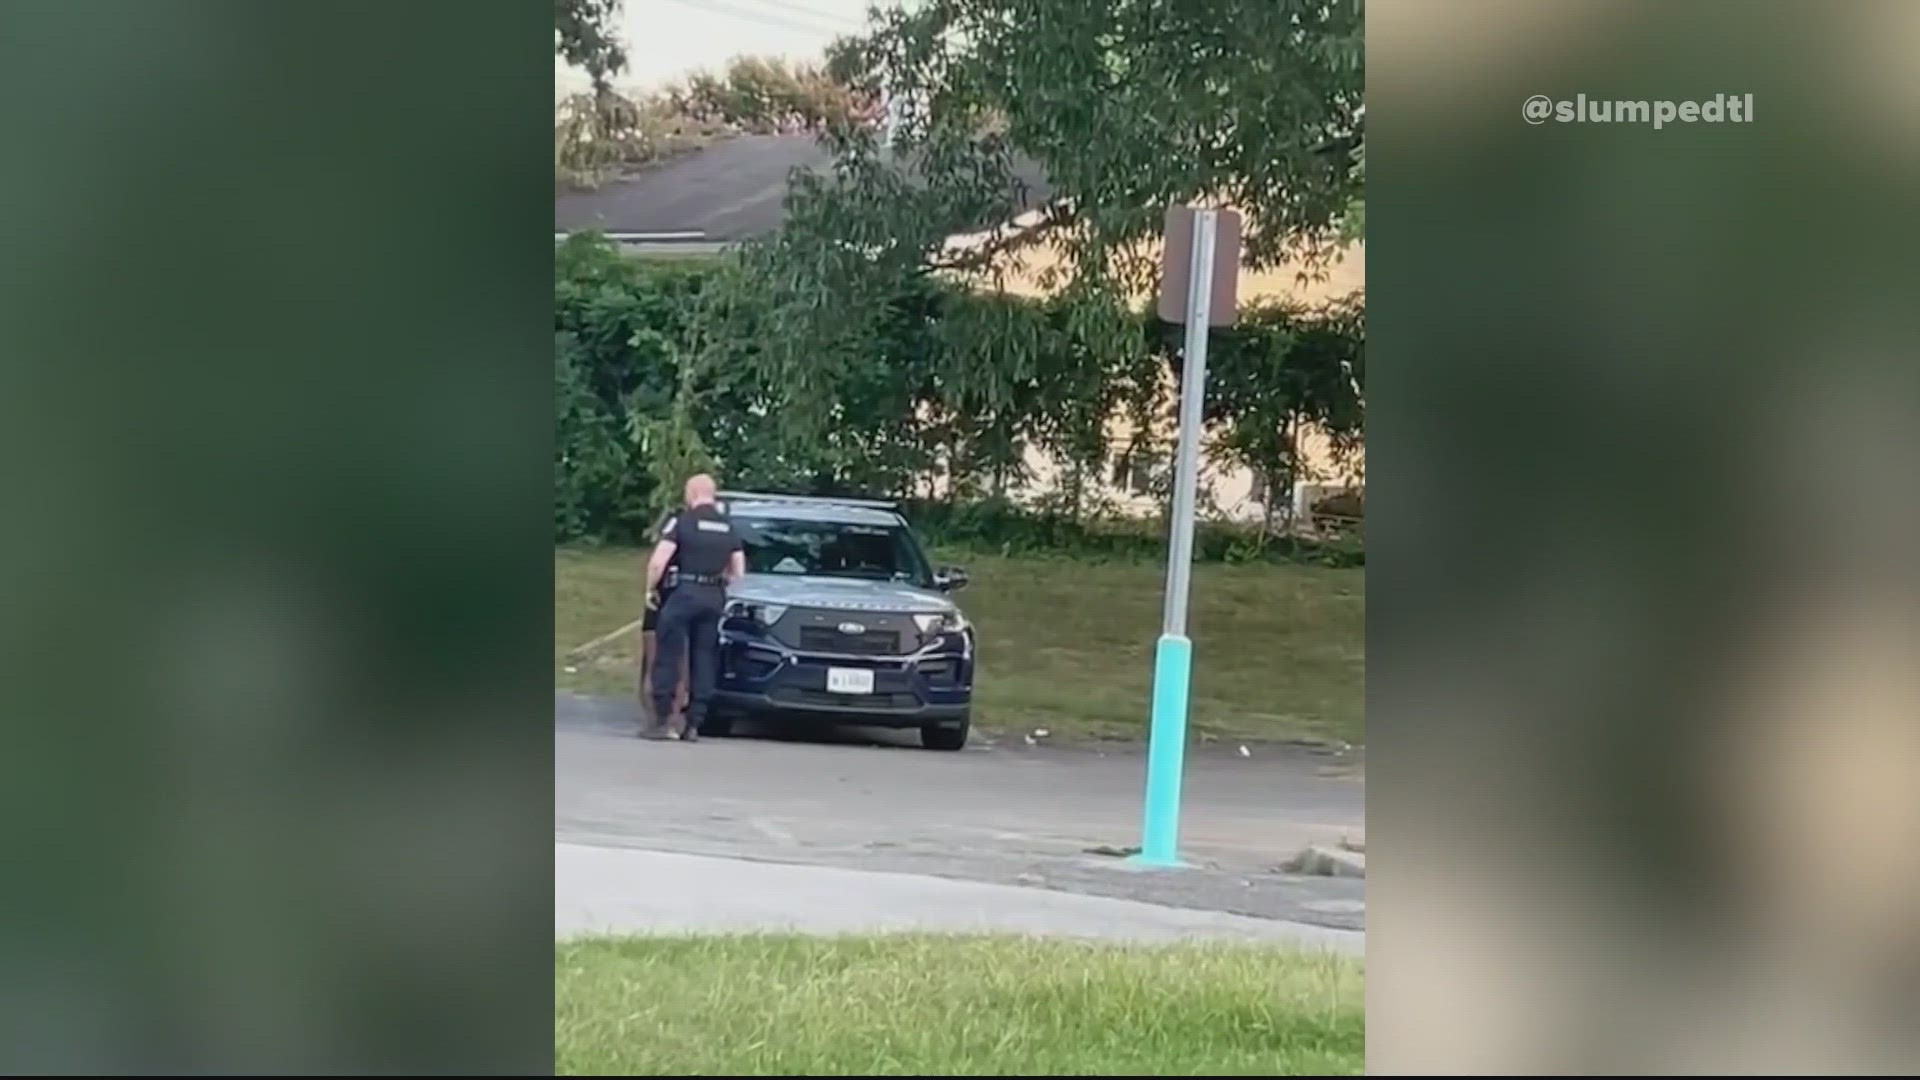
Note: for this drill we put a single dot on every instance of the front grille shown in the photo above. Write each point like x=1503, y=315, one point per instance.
x=867, y=643
x=789, y=695
x=817, y=630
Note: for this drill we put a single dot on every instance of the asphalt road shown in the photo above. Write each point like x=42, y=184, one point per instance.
x=1007, y=813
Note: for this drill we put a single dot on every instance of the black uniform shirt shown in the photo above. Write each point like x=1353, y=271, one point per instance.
x=667, y=579
x=704, y=540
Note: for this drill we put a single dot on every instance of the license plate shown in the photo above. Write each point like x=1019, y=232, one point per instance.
x=849, y=681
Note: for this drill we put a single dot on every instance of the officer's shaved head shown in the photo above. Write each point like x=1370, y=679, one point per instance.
x=700, y=489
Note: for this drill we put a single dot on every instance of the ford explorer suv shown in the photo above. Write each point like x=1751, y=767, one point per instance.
x=840, y=617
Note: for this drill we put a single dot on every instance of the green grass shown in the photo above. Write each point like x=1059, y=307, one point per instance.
x=1279, y=651
x=945, y=1006
x=596, y=590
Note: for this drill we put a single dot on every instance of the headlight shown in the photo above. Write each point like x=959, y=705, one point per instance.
x=764, y=614
x=949, y=622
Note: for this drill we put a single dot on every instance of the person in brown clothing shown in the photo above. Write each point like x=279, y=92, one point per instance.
x=652, y=724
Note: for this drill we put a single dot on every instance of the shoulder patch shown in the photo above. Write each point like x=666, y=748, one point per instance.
x=713, y=526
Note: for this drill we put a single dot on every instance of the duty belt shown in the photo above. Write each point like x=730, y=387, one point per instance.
x=702, y=579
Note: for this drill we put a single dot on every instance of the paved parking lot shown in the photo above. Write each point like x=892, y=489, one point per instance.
x=1010, y=813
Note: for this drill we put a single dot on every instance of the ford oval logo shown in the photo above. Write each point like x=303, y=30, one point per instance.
x=852, y=628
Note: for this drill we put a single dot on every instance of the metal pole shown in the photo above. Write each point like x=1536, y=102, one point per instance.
x=1173, y=656
x=1192, y=393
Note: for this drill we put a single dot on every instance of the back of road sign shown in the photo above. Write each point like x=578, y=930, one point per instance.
x=1176, y=274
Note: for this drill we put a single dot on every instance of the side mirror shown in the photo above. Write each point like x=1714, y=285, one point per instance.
x=950, y=579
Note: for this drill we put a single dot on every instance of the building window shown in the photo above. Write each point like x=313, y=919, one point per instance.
x=1134, y=471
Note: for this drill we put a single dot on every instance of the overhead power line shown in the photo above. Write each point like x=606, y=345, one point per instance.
x=763, y=18
x=813, y=13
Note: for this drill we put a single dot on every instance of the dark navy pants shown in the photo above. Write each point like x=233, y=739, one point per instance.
x=690, y=628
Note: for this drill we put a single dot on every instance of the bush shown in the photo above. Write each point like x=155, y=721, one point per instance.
x=999, y=527
x=631, y=408
x=1342, y=504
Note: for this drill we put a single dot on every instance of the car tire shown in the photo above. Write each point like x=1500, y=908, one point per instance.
x=948, y=736
x=718, y=727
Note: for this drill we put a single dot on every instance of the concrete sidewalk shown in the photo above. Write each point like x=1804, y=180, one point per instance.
x=624, y=890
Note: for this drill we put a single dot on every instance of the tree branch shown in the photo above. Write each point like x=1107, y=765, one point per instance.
x=1053, y=217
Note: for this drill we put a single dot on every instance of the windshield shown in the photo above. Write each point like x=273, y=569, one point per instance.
x=832, y=549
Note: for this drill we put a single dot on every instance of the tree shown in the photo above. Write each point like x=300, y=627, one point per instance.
x=584, y=36
x=1127, y=107
x=769, y=94
x=1278, y=373
x=595, y=132
x=1354, y=221
x=841, y=353
x=600, y=133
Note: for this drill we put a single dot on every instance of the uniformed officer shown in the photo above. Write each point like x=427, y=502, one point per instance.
x=701, y=542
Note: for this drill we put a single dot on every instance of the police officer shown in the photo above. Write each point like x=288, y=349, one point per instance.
x=701, y=542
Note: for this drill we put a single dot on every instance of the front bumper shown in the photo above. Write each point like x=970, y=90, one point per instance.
x=760, y=674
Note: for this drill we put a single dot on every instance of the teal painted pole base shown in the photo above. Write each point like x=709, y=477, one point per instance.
x=1166, y=752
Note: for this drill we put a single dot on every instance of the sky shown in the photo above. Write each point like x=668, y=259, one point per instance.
x=668, y=39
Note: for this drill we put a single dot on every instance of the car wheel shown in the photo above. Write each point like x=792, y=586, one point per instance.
x=947, y=736
x=717, y=726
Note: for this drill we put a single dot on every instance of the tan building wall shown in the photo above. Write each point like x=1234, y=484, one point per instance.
x=1234, y=492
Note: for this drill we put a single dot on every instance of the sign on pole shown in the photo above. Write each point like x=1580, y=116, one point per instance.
x=1178, y=275
x=1199, y=282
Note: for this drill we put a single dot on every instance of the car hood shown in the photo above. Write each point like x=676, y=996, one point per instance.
x=845, y=594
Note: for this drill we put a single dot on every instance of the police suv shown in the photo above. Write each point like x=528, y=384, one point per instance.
x=841, y=617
